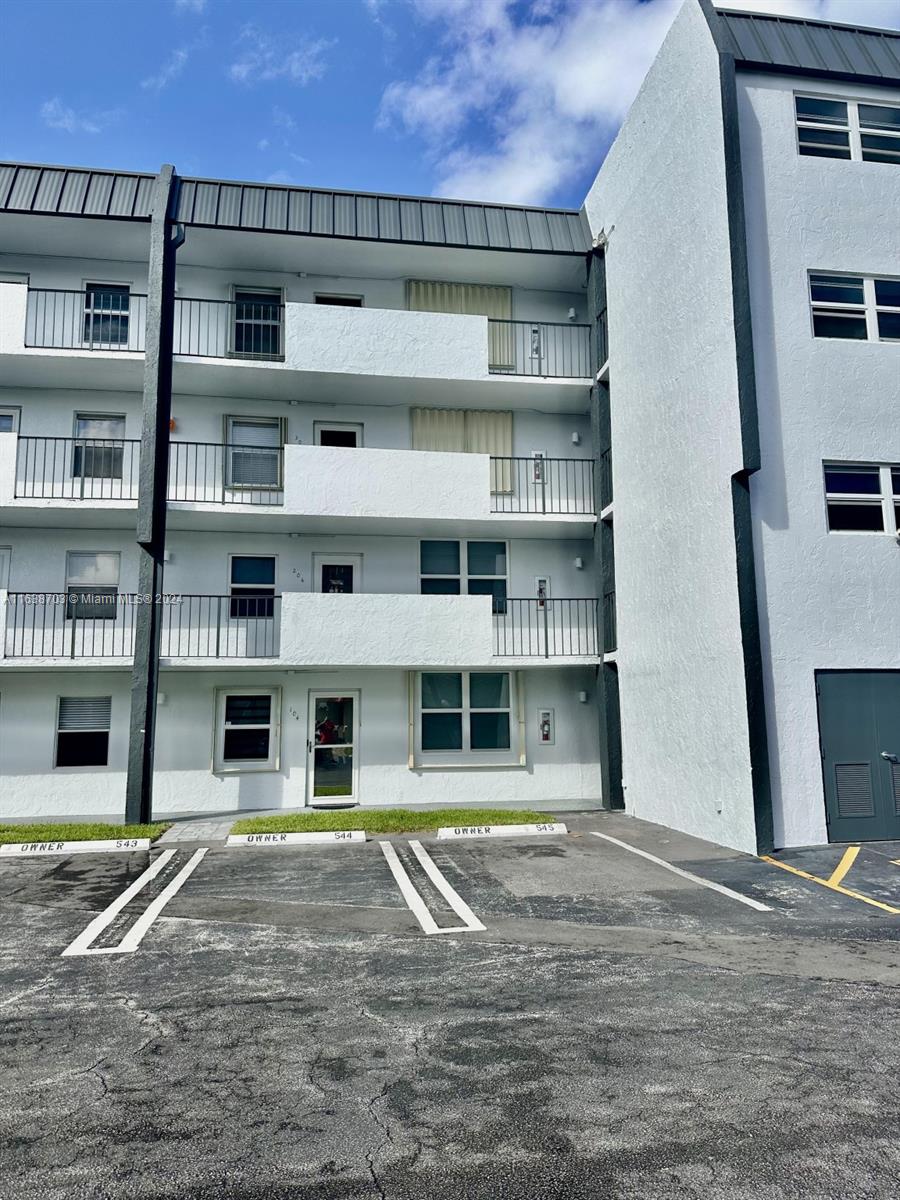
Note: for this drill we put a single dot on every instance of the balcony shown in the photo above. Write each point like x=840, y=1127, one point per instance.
x=396, y=490
x=307, y=629
x=350, y=354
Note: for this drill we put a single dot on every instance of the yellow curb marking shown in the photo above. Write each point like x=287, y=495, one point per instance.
x=835, y=887
x=844, y=865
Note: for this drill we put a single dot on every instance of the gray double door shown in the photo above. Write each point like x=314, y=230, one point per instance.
x=859, y=728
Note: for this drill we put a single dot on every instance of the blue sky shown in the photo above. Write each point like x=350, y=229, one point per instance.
x=512, y=100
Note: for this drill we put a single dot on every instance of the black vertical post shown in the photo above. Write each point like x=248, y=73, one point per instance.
x=165, y=238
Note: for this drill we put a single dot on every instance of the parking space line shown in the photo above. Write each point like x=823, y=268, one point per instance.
x=835, y=887
x=414, y=901
x=707, y=883
x=83, y=944
x=847, y=860
x=442, y=884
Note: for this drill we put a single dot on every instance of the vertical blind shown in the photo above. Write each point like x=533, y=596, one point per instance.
x=470, y=431
x=474, y=299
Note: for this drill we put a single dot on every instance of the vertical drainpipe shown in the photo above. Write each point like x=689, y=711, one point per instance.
x=165, y=238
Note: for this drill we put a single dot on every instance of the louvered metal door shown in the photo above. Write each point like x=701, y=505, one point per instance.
x=859, y=727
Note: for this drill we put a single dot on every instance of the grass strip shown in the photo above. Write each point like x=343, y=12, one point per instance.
x=386, y=820
x=84, y=831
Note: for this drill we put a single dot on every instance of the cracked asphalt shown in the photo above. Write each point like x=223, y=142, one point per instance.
x=286, y=1030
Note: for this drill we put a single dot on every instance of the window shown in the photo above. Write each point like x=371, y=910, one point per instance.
x=337, y=434
x=849, y=129
x=82, y=731
x=464, y=711
x=247, y=730
x=340, y=301
x=9, y=420
x=862, y=498
x=252, y=586
x=99, y=446
x=856, y=307
x=92, y=584
x=254, y=451
x=443, y=566
x=257, y=323
x=106, y=308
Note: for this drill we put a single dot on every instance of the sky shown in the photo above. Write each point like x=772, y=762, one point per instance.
x=511, y=100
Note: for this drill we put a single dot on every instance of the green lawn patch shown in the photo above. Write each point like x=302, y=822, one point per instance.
x=386, y=820
x=81, y=832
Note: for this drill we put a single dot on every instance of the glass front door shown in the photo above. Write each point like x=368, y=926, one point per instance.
x=332, y=767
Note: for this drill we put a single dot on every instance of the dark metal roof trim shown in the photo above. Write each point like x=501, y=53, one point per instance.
x=795, y=45
x=222, y=204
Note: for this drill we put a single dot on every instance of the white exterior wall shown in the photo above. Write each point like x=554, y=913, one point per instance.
x=661, y=198
x=185, y=782
x=826, y=600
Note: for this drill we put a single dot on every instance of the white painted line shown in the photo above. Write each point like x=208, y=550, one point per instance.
x=483, y=831
x=336, y=837
x=110, y=846
x=102, y=920
x=133, y=937
x=442, y=884
x=707, y=883
x=413, y=900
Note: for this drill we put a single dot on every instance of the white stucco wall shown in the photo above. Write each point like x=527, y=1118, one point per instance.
x=568, y=770
x=661, y=198
x=826, y=600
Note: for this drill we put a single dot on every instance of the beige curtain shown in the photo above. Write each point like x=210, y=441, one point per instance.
x=471, y=431
x=476, y=299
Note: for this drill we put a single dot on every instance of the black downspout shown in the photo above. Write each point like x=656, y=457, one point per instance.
x=165, y=238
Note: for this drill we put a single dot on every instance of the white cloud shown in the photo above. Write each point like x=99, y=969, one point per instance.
x=264, y=58
x=171, y=69
x=57, y=115
x=519, y=100
x=190, y=6
x=283, y=119
x=262, y=144
x=279, y=177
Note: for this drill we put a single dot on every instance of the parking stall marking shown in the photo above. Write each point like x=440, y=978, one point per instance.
x=414, y=901
x=848, y=858
x=707, y=883
x=835, y=887
x=83, y=944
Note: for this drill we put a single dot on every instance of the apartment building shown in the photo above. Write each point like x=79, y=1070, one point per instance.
x=478, y=503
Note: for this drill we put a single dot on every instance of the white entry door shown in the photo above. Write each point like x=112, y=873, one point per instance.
x=332, y=765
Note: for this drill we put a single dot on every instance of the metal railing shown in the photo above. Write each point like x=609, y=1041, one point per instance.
x=229, y=329
x=68, y=320
x=542, y=485
x=557, y=350
x=535, y=628
x=610, y=637
x=209, y=472
x=604, y=466
x=62, y=468
x=74, y=625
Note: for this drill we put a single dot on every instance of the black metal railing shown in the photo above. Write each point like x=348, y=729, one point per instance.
x=558, y=350
x=604, y=466
x=62, y=468
x=542, y=485
x=229, y=328
x=85, y=320
x=80, y=625
x=535, y=628
x=212, y=473
x=609, y=622
x=602, y=336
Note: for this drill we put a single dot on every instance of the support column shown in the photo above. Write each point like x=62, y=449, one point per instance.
x=165, y=238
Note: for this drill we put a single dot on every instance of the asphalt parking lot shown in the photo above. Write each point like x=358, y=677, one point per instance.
x=553, y=1017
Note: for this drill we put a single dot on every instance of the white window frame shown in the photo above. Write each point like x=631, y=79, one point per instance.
x=107, y=730
x=466, y=756
x=853, y=126
x=886, y=499
x=320, y=559
x=869, y=308
x=246, y=766
x=5, y=567
x=320, y=427
x=264, y=293
x=14, y=411
x=71, y=612
x=231, y=446
x=89, y=311
x=236, y=595
x=85, y=443
x=463, y=544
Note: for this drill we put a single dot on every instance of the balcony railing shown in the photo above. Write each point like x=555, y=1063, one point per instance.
x=542, y=485
x=78, y=625
x=211, y=473
x=60, y=468
x=543, y=348
x=534, y=628
x=609, y=622
x=230, y=329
